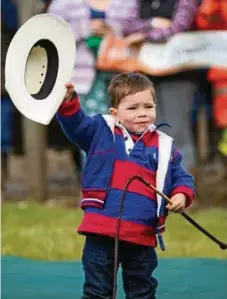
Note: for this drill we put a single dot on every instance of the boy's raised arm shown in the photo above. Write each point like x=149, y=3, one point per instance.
x=78, y=127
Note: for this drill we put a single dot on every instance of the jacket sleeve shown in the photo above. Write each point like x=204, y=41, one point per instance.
x=182, y=182
x=182, y=21
x=78, y=127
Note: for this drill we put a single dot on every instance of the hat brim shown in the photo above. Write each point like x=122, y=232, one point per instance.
x=56, y=36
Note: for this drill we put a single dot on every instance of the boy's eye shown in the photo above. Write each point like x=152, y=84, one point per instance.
x=131, y=108
x=150, y=106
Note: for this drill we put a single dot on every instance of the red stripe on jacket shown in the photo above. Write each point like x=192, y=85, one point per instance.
x=123, y=170
x=130, y=232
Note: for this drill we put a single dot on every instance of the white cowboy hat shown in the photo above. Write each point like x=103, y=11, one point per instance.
x=39, y=62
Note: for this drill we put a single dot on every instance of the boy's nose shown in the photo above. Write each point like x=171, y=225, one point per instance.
x=142, y=113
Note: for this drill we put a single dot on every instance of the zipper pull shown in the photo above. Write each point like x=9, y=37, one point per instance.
x=161, y=241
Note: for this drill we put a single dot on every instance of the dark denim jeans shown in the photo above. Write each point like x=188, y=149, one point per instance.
x=137, y=262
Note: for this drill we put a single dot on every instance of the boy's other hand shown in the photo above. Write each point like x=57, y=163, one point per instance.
x=178, y=203
x=69, y=93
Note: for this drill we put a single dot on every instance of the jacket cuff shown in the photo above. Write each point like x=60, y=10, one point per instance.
x=71, y=107
x=188, y=192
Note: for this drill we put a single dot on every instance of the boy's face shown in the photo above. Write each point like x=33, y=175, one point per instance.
x=136, y=112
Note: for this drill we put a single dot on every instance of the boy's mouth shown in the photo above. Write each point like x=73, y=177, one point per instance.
x=142, y=123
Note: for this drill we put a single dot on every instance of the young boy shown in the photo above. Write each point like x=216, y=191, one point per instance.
x=118, y=146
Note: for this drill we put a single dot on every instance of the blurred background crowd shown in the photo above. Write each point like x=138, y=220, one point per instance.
x=193, y=102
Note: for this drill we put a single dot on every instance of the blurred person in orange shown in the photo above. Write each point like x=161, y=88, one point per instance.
x=212, y=15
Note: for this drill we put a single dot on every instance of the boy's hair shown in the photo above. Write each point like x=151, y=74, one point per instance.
x=128, y=84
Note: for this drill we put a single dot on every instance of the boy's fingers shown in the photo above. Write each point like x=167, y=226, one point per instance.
x=169, y=206
x=70, y=91
x=178, y=208
x=174, y=206
x=69, y=85
x=68, y=95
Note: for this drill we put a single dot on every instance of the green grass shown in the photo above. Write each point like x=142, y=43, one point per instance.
x=37, y=231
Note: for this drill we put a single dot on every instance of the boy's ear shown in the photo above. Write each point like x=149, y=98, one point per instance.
x=113, y=111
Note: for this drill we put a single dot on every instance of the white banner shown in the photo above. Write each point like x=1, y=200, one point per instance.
x=189, y=50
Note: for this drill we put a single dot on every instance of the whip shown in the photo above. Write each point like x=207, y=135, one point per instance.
x=221, y=244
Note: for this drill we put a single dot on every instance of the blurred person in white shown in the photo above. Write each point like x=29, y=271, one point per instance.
x=157, y=21
x=91, y=20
